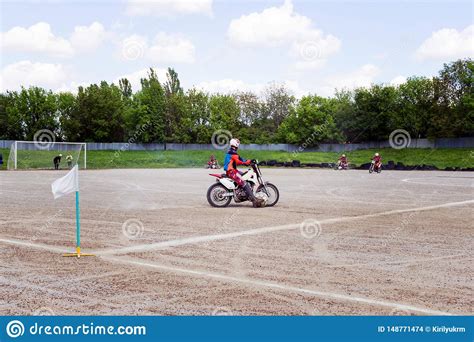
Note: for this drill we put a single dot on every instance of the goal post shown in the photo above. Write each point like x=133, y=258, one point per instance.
x=41, y=155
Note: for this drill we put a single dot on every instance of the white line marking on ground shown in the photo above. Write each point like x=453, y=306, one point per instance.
x=277, y=286
x=399, y=262
x=35, y=245
x=413, y=181
x=256, y=231
x=246, y=281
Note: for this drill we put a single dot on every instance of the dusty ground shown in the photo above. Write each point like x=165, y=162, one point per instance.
x=339, y=242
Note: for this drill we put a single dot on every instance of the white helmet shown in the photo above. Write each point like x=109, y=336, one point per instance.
x=344, y=155
x=60, y=155
x=376, y=154
x=234, y=142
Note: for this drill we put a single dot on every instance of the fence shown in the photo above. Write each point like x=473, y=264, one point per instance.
x=415, y=143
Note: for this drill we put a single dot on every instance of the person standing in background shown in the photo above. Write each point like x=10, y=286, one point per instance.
x=69, y=160
x=56, y=161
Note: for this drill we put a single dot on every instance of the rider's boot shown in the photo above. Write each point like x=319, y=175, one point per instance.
x=257, y=202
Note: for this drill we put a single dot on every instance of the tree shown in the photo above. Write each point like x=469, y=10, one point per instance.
x=224, y=113
x=251, y=119
x=99, y=114
x=30, y=111
x=197, y=122
x=69, y=123
x=147, y=115
x=278, y=104
x=126, y=88
x=175, y=109
x=10, y=118
x=442, y=106
x=415, y=106
x=173, y=85
x=373, y=113
x=311, y=122
x=454, y=96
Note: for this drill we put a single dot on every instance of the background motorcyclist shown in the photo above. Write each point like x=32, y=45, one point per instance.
x=212, y=163
x=342, y=161
x=377, y=159
x=231, y=161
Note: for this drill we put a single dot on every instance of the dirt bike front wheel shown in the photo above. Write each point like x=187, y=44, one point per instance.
x=273, y=193
x=219, y=196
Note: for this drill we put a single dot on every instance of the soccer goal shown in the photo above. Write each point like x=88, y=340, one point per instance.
x=47, y=155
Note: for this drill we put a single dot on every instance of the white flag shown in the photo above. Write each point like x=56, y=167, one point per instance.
x=67, y=184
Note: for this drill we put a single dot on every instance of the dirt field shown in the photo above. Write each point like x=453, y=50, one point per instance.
x=338, y=243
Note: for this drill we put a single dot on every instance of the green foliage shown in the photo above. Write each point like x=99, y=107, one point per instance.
x=161, y=111
x=311, y=122
x=224, y=113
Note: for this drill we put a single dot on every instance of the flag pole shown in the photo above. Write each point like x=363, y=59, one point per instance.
x=78, y=231
x=78, y=226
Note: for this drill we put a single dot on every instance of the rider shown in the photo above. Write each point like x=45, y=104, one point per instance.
x=377, y=159
x=231, y=161
x=343, y=160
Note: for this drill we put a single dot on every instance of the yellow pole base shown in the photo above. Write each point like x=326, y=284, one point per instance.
x=77, y=254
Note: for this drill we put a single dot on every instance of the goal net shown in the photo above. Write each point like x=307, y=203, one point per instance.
x=46, y=155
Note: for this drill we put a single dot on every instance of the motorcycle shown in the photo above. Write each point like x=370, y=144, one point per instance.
x=213, y=165
x=341, y=166
x=377, y=167
x=221, y=193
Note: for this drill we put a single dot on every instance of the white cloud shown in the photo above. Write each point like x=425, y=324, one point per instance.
x=36, y=38
x=448, y=44
x=88, y=38
x=135, y=77
x=39, y=38
x=27, y=73
x=361, y=77
x=168, y=7
x=283, y=27
x=169, y=48
x=164, y=49
x=398, y=80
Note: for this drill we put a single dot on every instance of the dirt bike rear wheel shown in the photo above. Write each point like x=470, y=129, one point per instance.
x=217, y=195
x=273, y=195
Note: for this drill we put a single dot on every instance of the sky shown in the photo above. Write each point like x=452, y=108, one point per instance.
x=225, y=46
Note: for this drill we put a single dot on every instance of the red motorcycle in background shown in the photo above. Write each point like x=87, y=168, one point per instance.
x=341, y=165
x=375, y=166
